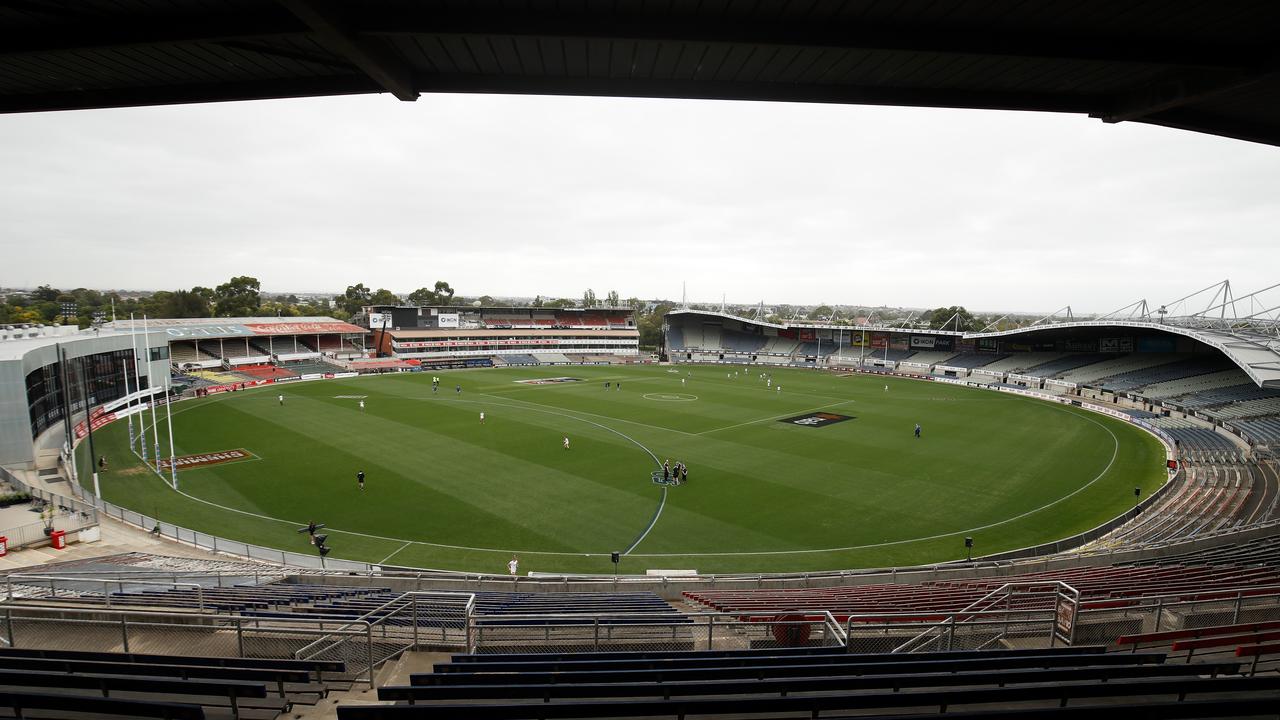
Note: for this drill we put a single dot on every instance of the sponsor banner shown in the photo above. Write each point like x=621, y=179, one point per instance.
x=339, y=376
x=199, y=331
x=879, y=340
x=98, y=421
x=948, y=368
x=215, y=389
x=907, y=363
x=1064, y=620
x=549, y=381
x=502, y=342
x=817, y=419
x=447, y=320
x=378, y=320
x=824, y=334
x=988, y=344
x=1115, y=345
x=992, y=373
x=313, y=376
x=187, y=462
x=922, y=341
x=234, y=330
x=806, y=335
x=1060, y=383
x=899, y=342
x=300, y=328
x=1080, y=346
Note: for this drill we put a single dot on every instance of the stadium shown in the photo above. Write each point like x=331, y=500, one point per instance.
x=520, y=512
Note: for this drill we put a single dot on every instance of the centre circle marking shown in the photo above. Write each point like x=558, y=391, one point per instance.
x=670, y=397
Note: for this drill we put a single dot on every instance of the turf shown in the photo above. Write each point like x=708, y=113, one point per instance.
x=445, y=491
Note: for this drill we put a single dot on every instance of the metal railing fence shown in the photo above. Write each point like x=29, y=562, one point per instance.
x=66, y=627
x=556, y=633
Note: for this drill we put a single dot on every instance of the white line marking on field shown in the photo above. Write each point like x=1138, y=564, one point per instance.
x=396, y=552
x=540, y=408
x=1115, y=451
x=661, y=504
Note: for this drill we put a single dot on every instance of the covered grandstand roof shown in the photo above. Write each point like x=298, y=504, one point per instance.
x=524, y=332
x=1257, y=353
x=238, y=327
x=1201, y=66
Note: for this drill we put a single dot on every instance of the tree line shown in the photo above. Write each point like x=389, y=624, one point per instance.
x=242, y=296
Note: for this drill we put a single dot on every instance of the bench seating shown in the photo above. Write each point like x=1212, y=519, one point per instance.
x=296, y=685
x=1226, y=641
x=20, y=702
x=876, y=680
x=1057, y=692
x=207, y=693
x=316, y=667
x=585, y=663
x=866, y=665
x=1165, y=636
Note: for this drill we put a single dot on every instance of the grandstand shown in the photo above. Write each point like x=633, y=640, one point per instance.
x=444, y=336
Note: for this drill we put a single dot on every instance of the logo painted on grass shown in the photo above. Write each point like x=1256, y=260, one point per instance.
x=549, y=381
x=818, y=419
x=186, y=462
x=658, y=479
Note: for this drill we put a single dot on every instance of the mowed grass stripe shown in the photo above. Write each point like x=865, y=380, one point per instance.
x=430, y=464
x=760, y=487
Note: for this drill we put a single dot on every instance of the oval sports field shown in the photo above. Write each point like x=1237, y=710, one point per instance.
x=825, y=473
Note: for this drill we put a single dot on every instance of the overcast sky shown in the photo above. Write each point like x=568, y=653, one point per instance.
x=546, y=195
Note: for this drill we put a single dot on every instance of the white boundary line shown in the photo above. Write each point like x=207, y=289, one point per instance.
x=1084, y=414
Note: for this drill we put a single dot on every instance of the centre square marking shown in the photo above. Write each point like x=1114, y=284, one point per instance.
x=816, y=419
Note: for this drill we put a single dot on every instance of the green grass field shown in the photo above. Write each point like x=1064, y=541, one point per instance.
x=445, y=491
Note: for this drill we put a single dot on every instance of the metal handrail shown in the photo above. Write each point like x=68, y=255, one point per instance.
x=106, y=583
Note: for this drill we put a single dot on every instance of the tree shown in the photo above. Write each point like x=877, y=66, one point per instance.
x=441, y=294
x=612, y=299
x=356, y=297
x=650, y=324
x=559, y=303
x=821, y=312
x=44, y=293
x=238, y=297
x=384, y=297
x=191, y=303
x=953, y=318
x=589, y=298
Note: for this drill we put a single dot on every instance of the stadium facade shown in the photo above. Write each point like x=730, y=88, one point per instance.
x=471, y=336
x=1194, y=377
x=48, y=374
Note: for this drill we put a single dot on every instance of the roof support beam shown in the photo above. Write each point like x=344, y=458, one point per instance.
x=411, y=19
x=372, y=58
x=1180, y=90
x=836, y=33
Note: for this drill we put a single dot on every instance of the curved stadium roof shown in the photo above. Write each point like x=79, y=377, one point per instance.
x=1202, y=66
x=1255, y=351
